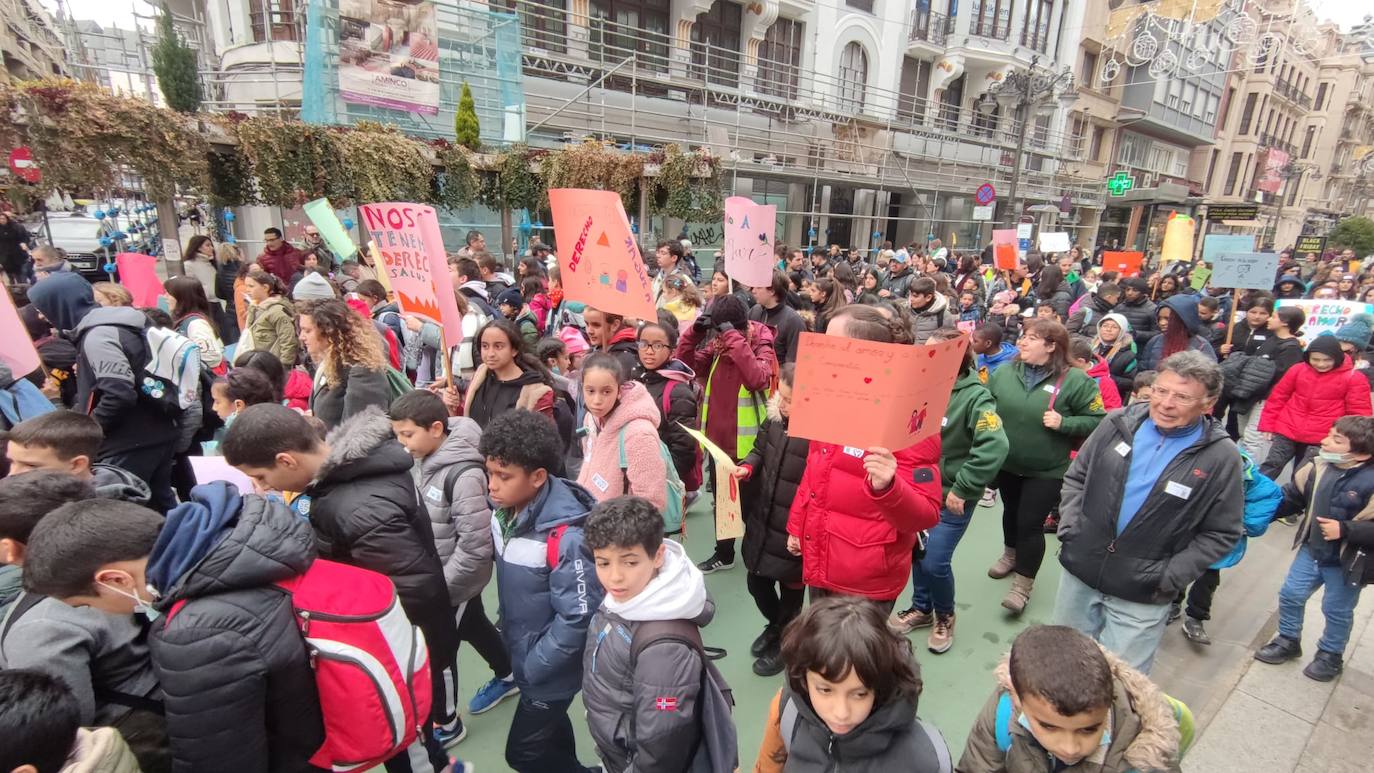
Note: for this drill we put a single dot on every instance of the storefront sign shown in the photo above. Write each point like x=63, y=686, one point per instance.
x=1232, y=211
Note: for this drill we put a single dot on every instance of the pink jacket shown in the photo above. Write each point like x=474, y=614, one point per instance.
x=647, y=473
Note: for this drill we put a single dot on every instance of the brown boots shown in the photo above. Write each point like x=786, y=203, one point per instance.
x=1004, y=565
x=1019, y=595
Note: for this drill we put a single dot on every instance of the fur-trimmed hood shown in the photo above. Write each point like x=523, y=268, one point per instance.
x=363, y=445
x=774, y=412
x=1154, y=743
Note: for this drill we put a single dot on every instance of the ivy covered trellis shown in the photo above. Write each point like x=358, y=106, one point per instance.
x=83, y=137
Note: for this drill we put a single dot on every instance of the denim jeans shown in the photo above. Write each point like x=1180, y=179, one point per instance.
x=1129, y=629
x=1338, y=601
x=932, y=578
x=541, y=738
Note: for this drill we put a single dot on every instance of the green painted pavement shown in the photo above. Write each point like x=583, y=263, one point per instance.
x=956, y=683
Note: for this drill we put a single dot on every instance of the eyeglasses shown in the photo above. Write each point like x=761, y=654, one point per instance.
x=1157, y=393
x=653, y=346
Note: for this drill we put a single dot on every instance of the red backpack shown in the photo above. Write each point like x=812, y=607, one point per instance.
x=371, y=663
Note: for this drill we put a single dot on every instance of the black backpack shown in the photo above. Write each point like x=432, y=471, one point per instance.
x=1247, y=375
x=718, y=751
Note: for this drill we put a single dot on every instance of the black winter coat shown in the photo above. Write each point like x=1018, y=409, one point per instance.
x=367, y=513
x=778, y=462
x=1190, y=519
x=362, y=387
x=1123, y=368
x=1141, y=315
x=238, y=688
x=683, y=408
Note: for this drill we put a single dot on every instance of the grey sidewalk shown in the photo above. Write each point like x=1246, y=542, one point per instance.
x=1279, y=721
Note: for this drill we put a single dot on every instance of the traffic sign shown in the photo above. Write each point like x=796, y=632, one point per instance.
x=1120, y=183
x=982, y=213
x=985, y=194
x=21, y=163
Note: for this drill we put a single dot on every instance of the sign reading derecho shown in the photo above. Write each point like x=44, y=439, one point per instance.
x=389, y=54
x=597, y=254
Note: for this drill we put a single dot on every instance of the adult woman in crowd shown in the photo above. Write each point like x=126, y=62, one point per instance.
x=195, y=319
x=230, y=270
x=509, y=377
x=350, y=367
x=1115, y=344
x=1047, y=407
x=1179, y=324
x=828, y=298
x=271, y=320
x=14, y=248
x=735, y=362
x=1054, y=290
x=200, y=264
x=968, y=276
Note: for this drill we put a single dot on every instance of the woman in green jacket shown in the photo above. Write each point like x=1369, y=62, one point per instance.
x=271, y=322
x=1047, y=407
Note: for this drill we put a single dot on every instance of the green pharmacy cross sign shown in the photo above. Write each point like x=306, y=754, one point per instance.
x=1120, y=183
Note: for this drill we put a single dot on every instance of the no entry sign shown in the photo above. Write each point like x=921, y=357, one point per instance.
x=21, y=163
x=985, y=194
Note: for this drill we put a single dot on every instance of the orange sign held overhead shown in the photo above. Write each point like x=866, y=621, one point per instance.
x=1123, y=263
x=600, y=260
x=862, y=393
x=1004, y=249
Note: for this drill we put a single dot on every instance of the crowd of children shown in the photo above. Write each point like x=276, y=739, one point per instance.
x=149, y=623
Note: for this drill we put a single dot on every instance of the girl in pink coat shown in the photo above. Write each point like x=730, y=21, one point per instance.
x=620, y=414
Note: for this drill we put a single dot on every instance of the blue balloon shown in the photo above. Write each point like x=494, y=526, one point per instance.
x=99, y=214
x=106, y=241
x=114, y=211
x=108, y=268
x=348, y=223
x=228, y=216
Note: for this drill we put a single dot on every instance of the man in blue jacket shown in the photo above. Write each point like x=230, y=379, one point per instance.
x=546, y=582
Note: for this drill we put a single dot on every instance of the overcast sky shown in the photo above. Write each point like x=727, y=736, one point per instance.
x=121, y=12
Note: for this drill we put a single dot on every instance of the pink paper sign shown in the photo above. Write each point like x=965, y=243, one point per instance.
x=597, y=254
x=1004, y=249
x=749, y=230
x=138, y=274
x=16, y=348
x=410, y=248
x=862, y=393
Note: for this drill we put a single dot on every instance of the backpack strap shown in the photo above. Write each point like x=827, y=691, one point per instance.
x=1002, y=723
x=939, y=748
x=787, y=721
x=454, y=473
x=655, y=631
x=554, y=544
x=24, y=603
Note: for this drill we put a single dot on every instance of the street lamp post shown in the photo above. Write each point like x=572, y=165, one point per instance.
x=1026, y=92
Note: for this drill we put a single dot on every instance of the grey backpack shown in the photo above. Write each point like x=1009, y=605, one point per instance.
x=718, y=751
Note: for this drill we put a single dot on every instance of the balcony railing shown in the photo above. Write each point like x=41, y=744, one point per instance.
x=931, y=27
x=1270, y=141
x=1292, y=93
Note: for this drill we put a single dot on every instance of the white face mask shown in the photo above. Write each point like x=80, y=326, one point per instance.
x=1333, y=457
x=140, y=606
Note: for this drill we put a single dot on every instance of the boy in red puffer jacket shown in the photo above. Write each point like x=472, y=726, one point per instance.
x=1308, y=400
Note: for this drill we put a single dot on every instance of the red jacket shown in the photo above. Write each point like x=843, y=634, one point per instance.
x=284, y=261
x=1305, y=404
x=856, y=540
x=742, y=362
x=1101, y=372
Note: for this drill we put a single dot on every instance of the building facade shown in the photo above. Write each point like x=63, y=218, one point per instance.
x=30, y=44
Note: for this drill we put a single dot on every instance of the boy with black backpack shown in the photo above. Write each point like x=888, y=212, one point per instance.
x=547, y=585
x=452, y=478
x=653, y=700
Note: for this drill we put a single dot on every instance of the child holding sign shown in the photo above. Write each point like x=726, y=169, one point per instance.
x=857, y=512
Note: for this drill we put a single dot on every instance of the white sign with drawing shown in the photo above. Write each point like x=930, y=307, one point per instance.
x=1245, y=270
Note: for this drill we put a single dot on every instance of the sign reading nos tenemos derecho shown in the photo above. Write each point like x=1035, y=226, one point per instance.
x=389, y=54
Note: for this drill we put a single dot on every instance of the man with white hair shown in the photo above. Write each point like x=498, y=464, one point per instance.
x=1153, y=498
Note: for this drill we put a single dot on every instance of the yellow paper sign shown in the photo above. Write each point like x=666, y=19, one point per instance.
x=1178, y=239
x=729, y=512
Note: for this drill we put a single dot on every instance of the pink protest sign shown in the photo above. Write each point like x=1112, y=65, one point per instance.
x=862, y=393
x=749, y=229
x=138, y=274
x=410, y=249
x=16, y=348
x=1004, y=249
x=597, y=254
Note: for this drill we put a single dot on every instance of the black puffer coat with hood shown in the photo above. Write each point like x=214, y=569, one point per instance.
x=238, y=688
x=1181, y=308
